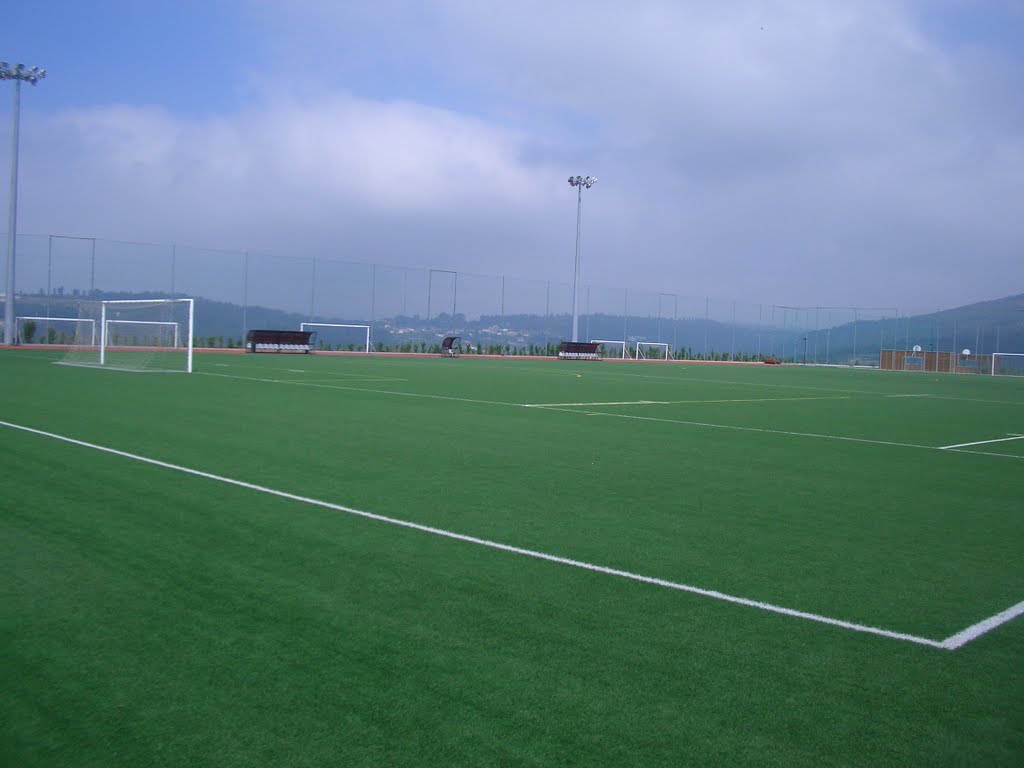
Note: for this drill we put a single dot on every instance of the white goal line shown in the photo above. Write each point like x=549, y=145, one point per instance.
x=951, y=643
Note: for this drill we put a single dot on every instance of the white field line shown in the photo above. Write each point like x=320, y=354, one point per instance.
x=356, y=379
x=685, y=402
x=981, y=442
x=714, y=594
x=732, y=427
x=622, y=402
x=975, y=631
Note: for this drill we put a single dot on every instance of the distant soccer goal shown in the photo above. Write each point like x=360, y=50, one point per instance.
x=340, y=336
x=610, y=347
x=1008, y=363
x=55, y=330
x=653, y=350
x=137, y=335
x=157, y=333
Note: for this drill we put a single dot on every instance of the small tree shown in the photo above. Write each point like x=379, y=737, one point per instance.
x=28, y=331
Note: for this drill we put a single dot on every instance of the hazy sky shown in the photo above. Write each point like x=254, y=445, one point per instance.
x=812, y=152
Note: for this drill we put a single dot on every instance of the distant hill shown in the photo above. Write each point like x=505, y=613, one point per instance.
x=984, y=327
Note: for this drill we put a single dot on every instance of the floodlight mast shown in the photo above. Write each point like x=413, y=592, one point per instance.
x=31, y=75
x=579, y=182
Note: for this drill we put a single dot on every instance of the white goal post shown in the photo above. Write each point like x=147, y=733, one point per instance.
x=659, y=344
x=364, y=328
x=114, y=304
x=77, y=324
x=146, y=335
x=1008, y=363
x=620, y=342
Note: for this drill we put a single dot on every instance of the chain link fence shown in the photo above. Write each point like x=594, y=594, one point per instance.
x=414, y=308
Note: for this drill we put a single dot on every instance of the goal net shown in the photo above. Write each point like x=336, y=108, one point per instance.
x=1008, y=363
x=55, y=330
x=339, y=336
x=136, y=335
x=610, y=348
x=653, y=350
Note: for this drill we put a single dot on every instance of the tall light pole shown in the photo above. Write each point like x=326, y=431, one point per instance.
x=33, y=75
x=579, y=182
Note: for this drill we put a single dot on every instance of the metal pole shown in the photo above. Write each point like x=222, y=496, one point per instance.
x=625, y=315
x=816, y=329
x=732, y=352
x=31, y=75
x=576, y=270
x=245, y=295
x=589, y=313
x=92, y=268
x=675, y=323
x=312, y=292
x=49, y=272
x=855, y=336
x=12, y=221
x=707, y=310
x=579, y=182
x=760, y=325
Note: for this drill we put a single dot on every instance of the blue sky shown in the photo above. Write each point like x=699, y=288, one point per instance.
x=827, y=153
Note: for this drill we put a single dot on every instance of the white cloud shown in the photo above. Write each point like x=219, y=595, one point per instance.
x=770, y=151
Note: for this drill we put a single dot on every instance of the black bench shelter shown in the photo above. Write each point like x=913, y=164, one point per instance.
x=450, y=346
x=578, y=350
x=279, y=341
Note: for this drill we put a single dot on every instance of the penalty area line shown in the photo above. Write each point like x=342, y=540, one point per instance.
x=961, y=638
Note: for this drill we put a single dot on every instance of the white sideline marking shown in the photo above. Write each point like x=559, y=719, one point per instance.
x=568, y=405
x=951, y=643
x=921, y=395
x=981, y=442
x=685, y=402
x=974, y=631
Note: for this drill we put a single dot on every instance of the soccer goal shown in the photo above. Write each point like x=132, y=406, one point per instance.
x=137, y=335
x=55, y=330
x=340, y=336
x=610, y=347
x=653, y=350
x=1008, y=363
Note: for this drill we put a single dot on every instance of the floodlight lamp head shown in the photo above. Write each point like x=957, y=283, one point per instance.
x=20, y=72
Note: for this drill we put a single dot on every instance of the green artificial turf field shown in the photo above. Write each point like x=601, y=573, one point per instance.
x=595, y=564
